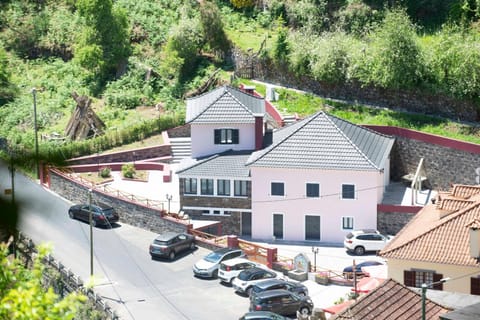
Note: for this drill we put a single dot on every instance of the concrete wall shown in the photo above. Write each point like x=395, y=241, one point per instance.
x=130, y=212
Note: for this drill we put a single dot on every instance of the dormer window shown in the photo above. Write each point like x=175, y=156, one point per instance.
x=226, y=136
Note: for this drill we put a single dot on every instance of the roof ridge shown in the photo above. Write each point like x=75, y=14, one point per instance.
x=350, y=140
x=199, y=162
x=241, y=103
x=273, y=146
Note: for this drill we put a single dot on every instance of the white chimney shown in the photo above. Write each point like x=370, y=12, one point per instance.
x=474, y=242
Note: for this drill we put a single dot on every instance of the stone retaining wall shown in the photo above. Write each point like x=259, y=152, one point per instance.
x=130, y=212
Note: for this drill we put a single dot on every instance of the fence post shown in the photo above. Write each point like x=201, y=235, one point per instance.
x=271, y=256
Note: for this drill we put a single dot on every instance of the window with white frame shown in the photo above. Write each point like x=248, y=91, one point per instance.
x=313, y=190
x=223, y=187
x=226, y=136
x=277, y=189
x=206, y=186
x=348, y=191
x=347, y=223
x=190, y=186
x=240, y=188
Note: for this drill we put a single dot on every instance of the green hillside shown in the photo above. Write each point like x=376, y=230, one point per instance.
x=129, y=56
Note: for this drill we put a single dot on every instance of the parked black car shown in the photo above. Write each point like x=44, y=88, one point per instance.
x=348, y=271
x=273, y=284
x=102, y=214
x=169, y=244
x=281, y=301
x=262, y=315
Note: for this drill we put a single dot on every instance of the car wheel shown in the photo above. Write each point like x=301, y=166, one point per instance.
x=71, y=214
x=215, y=274
x=359, y=251
x=302, y=294
x=249, y=291
x=171, y=255
x=192, y=246
x=304, y=311
x=94, y=223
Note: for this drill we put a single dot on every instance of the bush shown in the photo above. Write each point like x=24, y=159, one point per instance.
x=105, y=172
x=128, y=170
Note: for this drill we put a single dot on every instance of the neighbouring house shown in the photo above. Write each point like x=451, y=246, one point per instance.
x=391, y=300
x=442, y=241
x=316, y=179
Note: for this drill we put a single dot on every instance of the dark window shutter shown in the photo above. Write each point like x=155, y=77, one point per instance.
x=217, y=134
x=409, y=278
x=475, y=286
x=235, y=138
x=436, y=278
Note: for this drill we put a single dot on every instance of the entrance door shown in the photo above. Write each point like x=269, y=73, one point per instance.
x=312, y=228
x=246, y=224
x=278, y=226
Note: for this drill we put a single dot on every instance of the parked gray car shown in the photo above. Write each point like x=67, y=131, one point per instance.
x=169, y=244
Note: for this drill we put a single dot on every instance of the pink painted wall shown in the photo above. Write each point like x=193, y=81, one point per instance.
x=203, y=139
x=330, y=207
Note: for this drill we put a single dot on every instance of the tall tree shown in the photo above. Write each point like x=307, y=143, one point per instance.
x=105, y=34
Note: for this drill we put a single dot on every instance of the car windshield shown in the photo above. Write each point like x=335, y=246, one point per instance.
x=213, y=257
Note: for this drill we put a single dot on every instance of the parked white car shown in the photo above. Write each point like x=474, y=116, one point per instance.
x=361, y=241
x=208, y=266
x=229, y=269
x=246, y=279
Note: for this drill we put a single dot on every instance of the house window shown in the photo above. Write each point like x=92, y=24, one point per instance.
x=278, y=189
x=206, y=186
x=190, y=186
x=313, y=190
x=226, y=136
x=223, y=187
x=347, y=223
x=241, y=188
x=348, y=191
x=415, y=278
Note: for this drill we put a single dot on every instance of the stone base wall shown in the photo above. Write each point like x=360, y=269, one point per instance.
x=230, y=224
x=253, y=67
x=392, y=222
x=180, y=131
x=130, y=212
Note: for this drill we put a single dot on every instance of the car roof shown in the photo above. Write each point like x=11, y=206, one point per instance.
x=166, y=236
x=364, y=231
x=254, y=270
x=270, y=282
x=226, y=250
x=258, y=314
x=273, y=293
x=234, y=261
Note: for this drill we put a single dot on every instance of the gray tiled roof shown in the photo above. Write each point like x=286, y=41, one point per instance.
x=226, y=164
x=224, y=105
x=323, y=141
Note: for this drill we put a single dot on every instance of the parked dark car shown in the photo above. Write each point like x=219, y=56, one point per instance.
x=348, y=271
x=102, y=214
x=262, y=315
x=169, y=244
x=273, y=284
x=281, y=301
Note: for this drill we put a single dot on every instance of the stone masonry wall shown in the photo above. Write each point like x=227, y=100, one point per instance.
x=251, y=66
x=392, y=222
x=129, y=212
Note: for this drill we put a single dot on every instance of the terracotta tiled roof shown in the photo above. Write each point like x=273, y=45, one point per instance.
x=391, y=300
x=440, y=233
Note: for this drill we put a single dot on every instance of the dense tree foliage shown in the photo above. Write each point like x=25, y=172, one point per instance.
x=22, y=295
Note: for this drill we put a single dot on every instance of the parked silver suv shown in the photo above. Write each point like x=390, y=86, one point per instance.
x=361, y=241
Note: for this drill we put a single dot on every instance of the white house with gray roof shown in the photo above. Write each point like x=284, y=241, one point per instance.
x=318, y=179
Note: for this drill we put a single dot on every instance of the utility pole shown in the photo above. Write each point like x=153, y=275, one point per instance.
x=91, y=229
x=34, y=93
